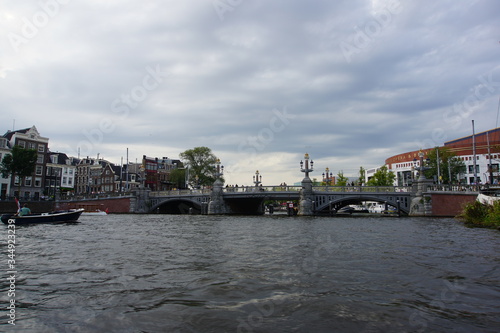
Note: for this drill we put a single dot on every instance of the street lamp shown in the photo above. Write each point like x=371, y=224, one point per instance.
x=257, y=179
x=327, y=177
x=413, y=168
x=219, y=169
x=306, y=169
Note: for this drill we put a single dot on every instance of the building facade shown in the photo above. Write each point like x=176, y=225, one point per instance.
x=95, y=176
x=31, y=187
x=59, y=175
x=56, y=174
x=4, y=181
x=480, y=154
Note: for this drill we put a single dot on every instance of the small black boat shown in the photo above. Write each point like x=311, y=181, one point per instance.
x=71, y=215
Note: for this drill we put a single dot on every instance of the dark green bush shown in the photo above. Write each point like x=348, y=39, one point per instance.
x=481, y=215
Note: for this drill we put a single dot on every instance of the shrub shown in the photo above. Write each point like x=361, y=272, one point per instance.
x=493, y=217
x=481, y=215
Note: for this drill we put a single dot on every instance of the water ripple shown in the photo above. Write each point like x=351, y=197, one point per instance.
x=163, y=273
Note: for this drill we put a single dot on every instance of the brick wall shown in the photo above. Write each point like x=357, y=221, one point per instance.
x=113, y=205
x=447, y=204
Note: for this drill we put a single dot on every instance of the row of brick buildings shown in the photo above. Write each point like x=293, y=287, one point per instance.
x=57, y=174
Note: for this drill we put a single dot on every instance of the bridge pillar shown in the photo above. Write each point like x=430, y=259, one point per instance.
x=421, y=204
x=306, y=196
x=217, y=206
x=142, y=200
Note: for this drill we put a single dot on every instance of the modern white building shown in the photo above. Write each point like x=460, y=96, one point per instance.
x=484, y=146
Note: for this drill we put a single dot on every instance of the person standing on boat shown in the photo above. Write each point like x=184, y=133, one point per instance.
x=24, y=211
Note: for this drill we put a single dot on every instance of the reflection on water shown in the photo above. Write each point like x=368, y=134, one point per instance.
x=165, y=273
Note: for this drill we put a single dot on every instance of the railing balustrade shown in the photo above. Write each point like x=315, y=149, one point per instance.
x=280, y=188
x=180, y=192
x=456, y=188
x=369, y=189
x=340, y=189
x=252, y=189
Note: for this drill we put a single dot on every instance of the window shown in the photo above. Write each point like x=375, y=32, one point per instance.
x=22, y=144
x=31, y=145
x=38, y=182
x=471, y=168
x=40, y=159
x=41, y=148
x=64, y=180
x=39, y=170
x=27, y=181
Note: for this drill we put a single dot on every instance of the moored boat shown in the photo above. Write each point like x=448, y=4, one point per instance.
x=71, y=215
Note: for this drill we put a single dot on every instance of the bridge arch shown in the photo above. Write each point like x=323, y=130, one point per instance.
x=176, y=206
x=323, y=206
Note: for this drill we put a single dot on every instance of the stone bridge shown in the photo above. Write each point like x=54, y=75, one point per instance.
x=250, y=200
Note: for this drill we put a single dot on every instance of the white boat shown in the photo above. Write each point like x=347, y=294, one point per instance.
x=94, y=213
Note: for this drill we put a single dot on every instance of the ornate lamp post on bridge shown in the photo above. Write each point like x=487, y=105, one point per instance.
x=219, y=170
x=306, y=170
x=216, y=204
x=257, y=180
x=305, y=206
x=327, y=177
x=419, y=205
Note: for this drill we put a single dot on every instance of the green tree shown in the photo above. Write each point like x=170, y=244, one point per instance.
x=449, y=165
x=382, y=177
x=341, y=179
x=19, y=163
x=178, y=178
x=362, y=175
x=201, y=163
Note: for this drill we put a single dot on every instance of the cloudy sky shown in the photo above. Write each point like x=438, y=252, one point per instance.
x=260, y=82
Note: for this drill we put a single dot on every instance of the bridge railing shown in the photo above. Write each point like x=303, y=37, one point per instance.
x=369, y=189
x=254, y=189
x=456, y=188
x=180, y=192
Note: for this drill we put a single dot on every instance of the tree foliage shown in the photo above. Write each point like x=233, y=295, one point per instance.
x=481, y=215
x=341, y=179
x=382, y=177
x=449, y=165
x=201, y=163
x=362, y=174
x=20, y=162
x=178, y=178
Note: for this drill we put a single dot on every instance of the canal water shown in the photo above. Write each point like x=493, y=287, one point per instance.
x=170, y=273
